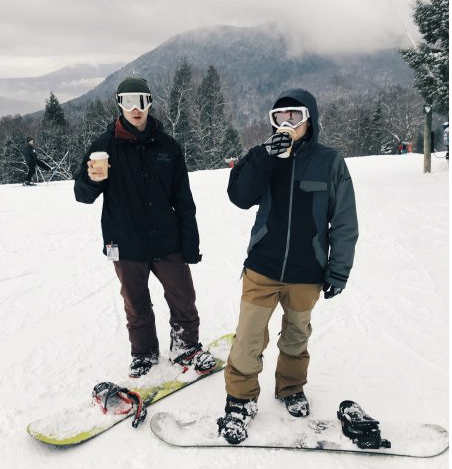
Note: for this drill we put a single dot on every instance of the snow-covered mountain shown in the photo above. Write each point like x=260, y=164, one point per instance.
x=383, y=342
x=26, y=95
x=255, y=64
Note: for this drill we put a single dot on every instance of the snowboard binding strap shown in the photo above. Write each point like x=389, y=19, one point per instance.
x=362, y=429
x=116, y=400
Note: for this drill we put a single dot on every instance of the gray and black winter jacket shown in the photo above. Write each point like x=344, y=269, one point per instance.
x=306, y=227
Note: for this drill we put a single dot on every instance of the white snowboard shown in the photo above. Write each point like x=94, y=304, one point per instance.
x=277, y=431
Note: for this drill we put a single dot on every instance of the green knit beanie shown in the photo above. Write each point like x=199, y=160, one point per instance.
x=133, y=85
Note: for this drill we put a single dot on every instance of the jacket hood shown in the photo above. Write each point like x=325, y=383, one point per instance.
x=305, y=98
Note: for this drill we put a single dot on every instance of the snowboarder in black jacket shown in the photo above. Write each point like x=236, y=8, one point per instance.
x=31, y=159
x=303, y=240
x=148, y=225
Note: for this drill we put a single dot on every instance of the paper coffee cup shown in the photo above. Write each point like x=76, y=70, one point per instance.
x=291, y=132
x=100, y=160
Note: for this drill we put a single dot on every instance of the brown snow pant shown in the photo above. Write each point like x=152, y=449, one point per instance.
x=175, y=277
x=260, y=297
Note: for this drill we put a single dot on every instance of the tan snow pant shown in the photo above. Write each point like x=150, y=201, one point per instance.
x=260, y=297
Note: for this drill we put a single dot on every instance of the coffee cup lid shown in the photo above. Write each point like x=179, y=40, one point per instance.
x=99, y=155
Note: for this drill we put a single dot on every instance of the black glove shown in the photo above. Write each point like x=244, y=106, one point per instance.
x=330, y=290
x=278, y=144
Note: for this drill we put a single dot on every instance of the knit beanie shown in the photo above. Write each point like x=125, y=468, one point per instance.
x=133, y=85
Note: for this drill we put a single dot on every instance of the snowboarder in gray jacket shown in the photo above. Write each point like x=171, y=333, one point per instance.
x=303, y=241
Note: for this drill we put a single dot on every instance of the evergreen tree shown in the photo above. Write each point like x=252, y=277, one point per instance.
x=430, y=60
x=380, y=142
x=210, y=121
x=53, y=114
x=12, y=163
x=53, y=140
x=231, y=146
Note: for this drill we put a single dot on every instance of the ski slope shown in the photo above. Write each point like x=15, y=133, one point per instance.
x=383, y=342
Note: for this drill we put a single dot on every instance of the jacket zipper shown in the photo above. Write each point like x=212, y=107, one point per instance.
x=289, y=221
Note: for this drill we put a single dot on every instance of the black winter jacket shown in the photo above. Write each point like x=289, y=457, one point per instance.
x=306, y=227
x=148, y=208
x=29, y=153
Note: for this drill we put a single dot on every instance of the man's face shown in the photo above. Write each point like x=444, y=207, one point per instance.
x=137, y=118
x=31, y=142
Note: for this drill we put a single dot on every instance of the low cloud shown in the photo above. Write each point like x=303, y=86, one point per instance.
x=54, y=34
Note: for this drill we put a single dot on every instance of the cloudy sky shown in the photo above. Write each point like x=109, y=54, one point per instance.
x=40, y=36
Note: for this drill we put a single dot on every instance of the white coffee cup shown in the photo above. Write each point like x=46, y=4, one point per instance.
x=100, y=160
x=291, y=132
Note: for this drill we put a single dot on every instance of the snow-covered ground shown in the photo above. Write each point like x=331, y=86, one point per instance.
x=383, y=342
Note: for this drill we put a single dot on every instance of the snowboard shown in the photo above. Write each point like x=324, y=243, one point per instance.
x=286, y=432
x=85, y=421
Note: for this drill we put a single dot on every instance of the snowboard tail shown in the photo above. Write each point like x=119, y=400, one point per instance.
x=79, y=424
x=274, y=431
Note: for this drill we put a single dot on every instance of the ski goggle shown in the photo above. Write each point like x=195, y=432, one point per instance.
x=130, y=101
x=289, y=116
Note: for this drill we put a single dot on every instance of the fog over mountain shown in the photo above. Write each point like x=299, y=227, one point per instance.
x=44, y=35
x=25, y=95
x=256, y=63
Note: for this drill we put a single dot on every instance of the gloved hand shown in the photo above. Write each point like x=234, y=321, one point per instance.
x=330, y=290
x=278, y=144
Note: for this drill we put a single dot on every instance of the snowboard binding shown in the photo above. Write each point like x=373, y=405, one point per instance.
x=362, y=429
x=116, y=400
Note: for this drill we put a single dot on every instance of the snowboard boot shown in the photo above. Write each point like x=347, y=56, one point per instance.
x=361, y=428
x=201, y=360
x=142, y=363
x=239, y=412
x=297, y=404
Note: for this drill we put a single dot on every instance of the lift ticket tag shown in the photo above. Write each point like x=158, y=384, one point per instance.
x=112, y=252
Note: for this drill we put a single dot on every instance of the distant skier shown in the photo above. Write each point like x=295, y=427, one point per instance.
x=149, y=225
x=31, y=159
x=303, y=239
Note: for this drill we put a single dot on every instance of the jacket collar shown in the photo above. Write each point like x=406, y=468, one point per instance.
x=124, y=131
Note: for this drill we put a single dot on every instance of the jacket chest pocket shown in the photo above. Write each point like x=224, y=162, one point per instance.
x=319, y=191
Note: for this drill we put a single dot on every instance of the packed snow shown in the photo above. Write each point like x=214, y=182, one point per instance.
x=382, y=343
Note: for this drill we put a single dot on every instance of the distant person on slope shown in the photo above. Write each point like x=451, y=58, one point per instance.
x=31, y=159
x=303, y=240
x=149, y=225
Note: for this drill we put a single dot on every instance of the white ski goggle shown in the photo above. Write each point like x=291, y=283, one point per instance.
x=129, y=101
x=289, y=116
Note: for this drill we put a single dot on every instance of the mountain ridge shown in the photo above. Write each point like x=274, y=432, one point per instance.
x=66, y=83
x=255, y=64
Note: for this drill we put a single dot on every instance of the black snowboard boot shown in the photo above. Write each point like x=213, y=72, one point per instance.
x=142, y=363
x=239, y=412
x=297, y=404
x=201, y=360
